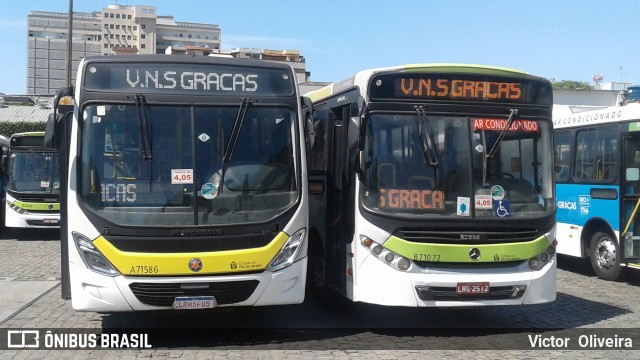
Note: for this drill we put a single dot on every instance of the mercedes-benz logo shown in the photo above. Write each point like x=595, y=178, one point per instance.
x=474, y=254
x=195, y=264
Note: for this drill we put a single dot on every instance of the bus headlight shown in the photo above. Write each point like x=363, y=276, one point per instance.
x=92, y=257
x=288, y=253
x=15, y=208
x=539, y=261
x=404, y=264
x=387, y=256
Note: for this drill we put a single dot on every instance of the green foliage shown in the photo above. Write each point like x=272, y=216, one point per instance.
x=9, y=128
x=571, y=85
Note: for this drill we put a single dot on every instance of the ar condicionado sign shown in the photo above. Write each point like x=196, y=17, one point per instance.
x=499, y=125
x=411, y=199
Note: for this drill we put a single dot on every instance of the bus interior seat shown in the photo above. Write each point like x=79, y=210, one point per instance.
x=421, y=182
x=386, y=175
x=519, y=190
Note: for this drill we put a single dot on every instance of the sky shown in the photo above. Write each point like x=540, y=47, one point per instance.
x=559, y=40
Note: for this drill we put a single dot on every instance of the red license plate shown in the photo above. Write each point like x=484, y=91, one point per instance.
x=473, y=288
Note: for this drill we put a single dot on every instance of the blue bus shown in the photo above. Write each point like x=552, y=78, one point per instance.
x=597, y=166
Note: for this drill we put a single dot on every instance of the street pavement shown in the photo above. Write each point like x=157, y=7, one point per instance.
x=30, y=298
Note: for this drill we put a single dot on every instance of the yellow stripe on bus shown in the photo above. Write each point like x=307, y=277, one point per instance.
x=164, y=264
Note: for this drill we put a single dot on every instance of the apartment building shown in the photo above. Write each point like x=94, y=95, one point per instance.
x=115, y=29
x=292, y=57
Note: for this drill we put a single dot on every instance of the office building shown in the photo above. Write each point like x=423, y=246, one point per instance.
x=116, y=29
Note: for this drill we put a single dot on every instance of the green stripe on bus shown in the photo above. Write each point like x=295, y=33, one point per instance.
x=456, y=253
x=465, y=68
x=37, y=206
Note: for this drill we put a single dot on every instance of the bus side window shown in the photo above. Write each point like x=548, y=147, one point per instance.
x=562, y=155
x=596, y=151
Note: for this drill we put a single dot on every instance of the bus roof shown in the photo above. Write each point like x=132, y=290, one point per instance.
x=360, y=78
x=28, y=133
x=568, y=116
x=160, y=58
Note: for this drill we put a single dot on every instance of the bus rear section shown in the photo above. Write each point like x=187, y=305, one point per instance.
x=432, y=185
x=32, y=198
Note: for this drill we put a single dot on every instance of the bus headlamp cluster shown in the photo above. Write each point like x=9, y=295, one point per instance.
x=539, y=261
x=288, y=253
x=92, y=257
x=389, y=257
x=15, y=208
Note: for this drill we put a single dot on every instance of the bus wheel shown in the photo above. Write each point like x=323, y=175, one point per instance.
x=605, y=257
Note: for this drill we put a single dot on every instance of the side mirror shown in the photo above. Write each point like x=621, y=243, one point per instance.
x=309, y=124
x=310, y=131
x=50, y=131
x=307, y=103
x=62, y=103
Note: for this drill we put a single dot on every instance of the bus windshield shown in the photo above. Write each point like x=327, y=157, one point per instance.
x=34, y=172
x=418, y=164
x=141, y=162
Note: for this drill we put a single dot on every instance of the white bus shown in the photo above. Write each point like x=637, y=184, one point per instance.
x=597, y=159
x=184, y=184
x=4, y=152
x=432, y=185
x=32, y=198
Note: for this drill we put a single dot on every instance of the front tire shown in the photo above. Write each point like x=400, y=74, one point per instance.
x=605, y=256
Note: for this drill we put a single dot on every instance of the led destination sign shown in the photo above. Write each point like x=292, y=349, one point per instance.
x=196, y=79
x=457, y=89
x=28, y=141
x=411, y=199
x=460, y=87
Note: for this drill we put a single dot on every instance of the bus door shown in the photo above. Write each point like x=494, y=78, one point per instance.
x=339, y=210
x=630, y=198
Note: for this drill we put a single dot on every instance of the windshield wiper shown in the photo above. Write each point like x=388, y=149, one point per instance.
x=233, y=139
x=35, y=155
x=426, y=137
x=494, y=149
x=144, y=127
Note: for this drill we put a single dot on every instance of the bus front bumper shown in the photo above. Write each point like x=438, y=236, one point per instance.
x=91, y=291
x=517, y=285
x=29, y=220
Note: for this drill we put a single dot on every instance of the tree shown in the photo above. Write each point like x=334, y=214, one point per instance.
x=571, y=85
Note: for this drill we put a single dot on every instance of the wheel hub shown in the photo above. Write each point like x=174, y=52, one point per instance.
x=606, y=254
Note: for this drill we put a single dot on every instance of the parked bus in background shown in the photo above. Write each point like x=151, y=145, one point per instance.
x=185, y=186
x=32, y=196
x=433, y=186
x=597, y=160
x=4, y=151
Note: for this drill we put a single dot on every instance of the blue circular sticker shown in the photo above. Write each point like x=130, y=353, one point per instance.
x=209, y=191
x=497, y=192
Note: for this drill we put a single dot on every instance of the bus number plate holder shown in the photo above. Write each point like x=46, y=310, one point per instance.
x=472, y=288
x=198, y=302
